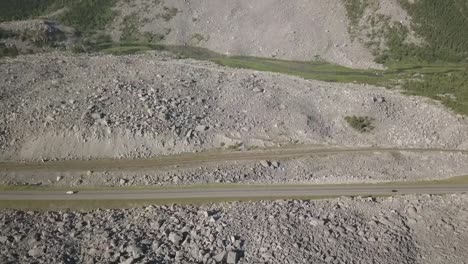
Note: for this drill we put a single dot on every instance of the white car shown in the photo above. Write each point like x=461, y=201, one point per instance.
x=71, y=192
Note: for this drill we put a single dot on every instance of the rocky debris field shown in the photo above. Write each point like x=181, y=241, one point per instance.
x=301, y=30
x=408, y=229
x=321, y=169
x=69, y=107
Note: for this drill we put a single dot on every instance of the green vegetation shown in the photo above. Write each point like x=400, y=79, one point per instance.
x=355, y=11
x=8, y=51
x=130, y=30
x=362, y=124
x=6, y=34
x=440, y=24
x=443, y=24
x=88, y=15
x=316, y=70
x=25, y=9
x=449, y=88
x=169, y=13
x=197, y=38
x=84, y=15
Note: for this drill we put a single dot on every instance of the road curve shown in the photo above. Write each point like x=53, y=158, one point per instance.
x=197, y=159
x=238, y=192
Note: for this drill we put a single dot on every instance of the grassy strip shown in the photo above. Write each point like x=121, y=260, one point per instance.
x=451, y=180
x=122, y=204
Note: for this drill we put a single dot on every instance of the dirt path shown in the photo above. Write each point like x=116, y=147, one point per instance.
x=195, y=159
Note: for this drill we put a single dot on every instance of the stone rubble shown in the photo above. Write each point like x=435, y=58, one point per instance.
x=346, y=230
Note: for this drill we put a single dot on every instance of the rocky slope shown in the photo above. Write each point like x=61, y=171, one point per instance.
x=63, y=106
x=300, y=30
x=389, y=230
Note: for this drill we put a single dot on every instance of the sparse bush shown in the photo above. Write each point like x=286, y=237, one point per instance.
x=130, y=30
x=8, y=51
x=89, y=15
x=362, y=124
x=4, y=34
x=169, y=13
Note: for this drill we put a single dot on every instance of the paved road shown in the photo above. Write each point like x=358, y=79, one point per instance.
x=239, y=192
x=196, y=159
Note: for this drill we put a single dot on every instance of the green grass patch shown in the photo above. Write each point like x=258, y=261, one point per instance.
x=450, y=88
x=309, y=70
x=126, y=50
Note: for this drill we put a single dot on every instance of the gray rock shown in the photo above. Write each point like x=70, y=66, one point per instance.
x=175, y=238
x=3, y=239
x=220, y=257
x=201, y=128
x=232, y=257
x=97, y=116
x=316, y=222
x=275, y=164
x=128, y=261
x=412, y=212
x=35, y=252
x=257, y=90
x=135, y=251
x=59, y=178
x=265, y=164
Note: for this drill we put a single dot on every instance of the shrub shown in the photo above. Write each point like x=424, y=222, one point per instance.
x=362, y=124
x=8, y=51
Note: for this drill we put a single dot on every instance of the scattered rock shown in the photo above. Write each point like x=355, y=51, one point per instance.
x=35, y=252
x=128, y=261
x=175, y=238
x=201, y=128
x=232, y=257
x=265, y=164
x=257, y=90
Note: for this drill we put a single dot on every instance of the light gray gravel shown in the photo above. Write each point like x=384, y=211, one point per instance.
x=64, y=106
x=410, y=229
x=321, y=169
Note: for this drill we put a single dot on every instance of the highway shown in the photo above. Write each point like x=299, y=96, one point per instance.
x=239, y=192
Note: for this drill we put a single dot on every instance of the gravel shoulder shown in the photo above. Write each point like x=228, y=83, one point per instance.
x=372, y=167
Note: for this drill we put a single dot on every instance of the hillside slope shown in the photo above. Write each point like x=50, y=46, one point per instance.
x=303, y=30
